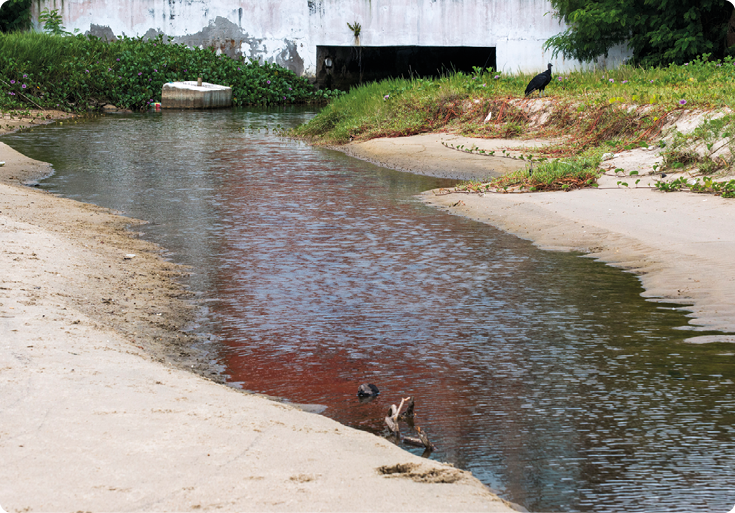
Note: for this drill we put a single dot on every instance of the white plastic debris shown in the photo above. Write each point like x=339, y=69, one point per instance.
x=489, y=117
x=1, y=165
x=129, y=256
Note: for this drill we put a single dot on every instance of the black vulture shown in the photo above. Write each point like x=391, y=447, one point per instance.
x=539, y=82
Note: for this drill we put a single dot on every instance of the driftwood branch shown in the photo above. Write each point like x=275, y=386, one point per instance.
x=421, y=441
x=392, y=422
x=392, y=419
x=408, y=414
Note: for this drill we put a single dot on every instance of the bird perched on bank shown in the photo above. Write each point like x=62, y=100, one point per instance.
x=539, y=82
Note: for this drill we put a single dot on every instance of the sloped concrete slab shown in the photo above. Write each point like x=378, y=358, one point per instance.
x=189, y=95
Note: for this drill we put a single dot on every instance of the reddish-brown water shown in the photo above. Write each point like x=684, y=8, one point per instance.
x=545, y=374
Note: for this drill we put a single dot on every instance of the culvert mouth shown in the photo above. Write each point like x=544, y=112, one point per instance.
x=341, y=67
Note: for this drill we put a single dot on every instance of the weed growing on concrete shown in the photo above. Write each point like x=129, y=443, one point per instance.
x=709, y=147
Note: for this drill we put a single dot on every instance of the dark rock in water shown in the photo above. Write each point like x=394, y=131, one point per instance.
x=367, y=390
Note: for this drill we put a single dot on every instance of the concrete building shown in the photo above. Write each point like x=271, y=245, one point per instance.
x=314, y=38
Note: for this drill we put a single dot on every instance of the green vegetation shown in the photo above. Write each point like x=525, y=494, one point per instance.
x=77, y=73
x=592, y=105
x=703, y=146
x=52, y=23
x=356, y=29
x=658, y=32
x=726, y=189
x=554, y=175
x=15, y=15
x=588, y=112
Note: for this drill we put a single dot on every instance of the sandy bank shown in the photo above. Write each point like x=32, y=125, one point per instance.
x=680, y=244
x=426, y=154
x=95, y=416
x=20, y=119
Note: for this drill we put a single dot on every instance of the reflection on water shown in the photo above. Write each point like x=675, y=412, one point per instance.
x=545, y=374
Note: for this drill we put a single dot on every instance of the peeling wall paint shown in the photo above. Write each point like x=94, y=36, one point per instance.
x=288, y=31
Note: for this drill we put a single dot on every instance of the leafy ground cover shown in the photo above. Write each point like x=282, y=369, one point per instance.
x=725, y=188
x=78, y=73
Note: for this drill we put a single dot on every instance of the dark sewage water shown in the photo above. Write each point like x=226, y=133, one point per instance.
x=545, y=374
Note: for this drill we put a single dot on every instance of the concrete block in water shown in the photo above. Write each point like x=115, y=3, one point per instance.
x=189, y=95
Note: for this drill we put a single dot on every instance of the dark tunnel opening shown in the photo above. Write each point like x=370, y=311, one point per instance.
x=341, y=67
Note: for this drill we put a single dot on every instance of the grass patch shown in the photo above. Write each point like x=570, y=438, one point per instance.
x=592, y=105
x=586, y=113
x=78, y=73
x=555, y=175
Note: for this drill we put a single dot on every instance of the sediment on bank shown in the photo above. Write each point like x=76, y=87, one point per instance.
x=139, y=294
x=679, y=244
x=12, y=120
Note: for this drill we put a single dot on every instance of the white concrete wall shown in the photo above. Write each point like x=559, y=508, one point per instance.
x=288, y=31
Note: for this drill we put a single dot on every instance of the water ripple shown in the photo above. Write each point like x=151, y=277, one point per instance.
x=545, y=374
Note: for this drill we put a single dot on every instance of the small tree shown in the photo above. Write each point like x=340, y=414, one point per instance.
x=15, y=15
x=52, y=22
x=658, y=32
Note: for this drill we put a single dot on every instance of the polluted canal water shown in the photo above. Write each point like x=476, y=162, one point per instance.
x=545, y=374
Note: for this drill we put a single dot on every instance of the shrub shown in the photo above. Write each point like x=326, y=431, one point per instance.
x=15, y=15
x=79, y=72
